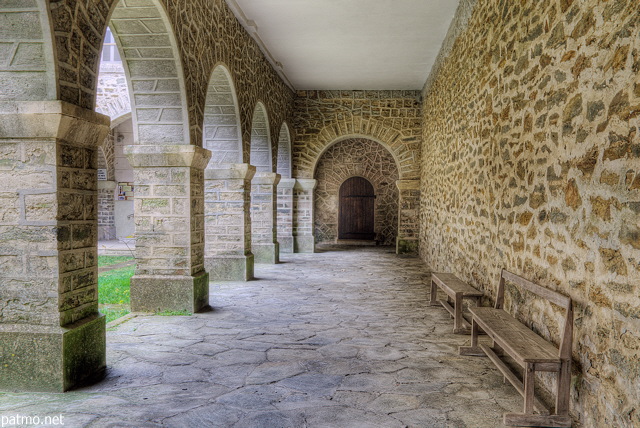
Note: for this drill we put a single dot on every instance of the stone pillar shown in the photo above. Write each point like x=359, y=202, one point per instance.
x=408, y=216
x=106, y=210
x=264, y=241
x=285, y=214
x=169, y=215
x=303, y=238
x=228, y=222
x=52, y=337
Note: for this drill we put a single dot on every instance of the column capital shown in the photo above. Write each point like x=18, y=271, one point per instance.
x=408, y=184
x=287, y=183
x=53, y=119
x=175, y=155
x=266, y=178
x=305, y=184
x=237, y=171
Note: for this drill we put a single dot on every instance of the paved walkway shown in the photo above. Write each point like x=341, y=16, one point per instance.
x=342, y=338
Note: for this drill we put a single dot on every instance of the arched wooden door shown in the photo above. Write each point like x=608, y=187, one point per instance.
x=356, y=209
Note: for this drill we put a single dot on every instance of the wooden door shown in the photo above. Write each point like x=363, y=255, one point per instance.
x=355, y=220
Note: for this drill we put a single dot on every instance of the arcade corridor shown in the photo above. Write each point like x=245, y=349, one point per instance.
x=340, y=338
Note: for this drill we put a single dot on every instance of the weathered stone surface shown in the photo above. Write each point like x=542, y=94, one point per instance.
x=486, y=166
x=390, y=362
x=361, y=158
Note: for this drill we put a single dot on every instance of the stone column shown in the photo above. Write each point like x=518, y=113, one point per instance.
x=228, y=222
x=169, y=214
x=285, y=214
x=408, y=216
x=303, y=238
x=52, y=336
x=106, y=210
x=264, y=241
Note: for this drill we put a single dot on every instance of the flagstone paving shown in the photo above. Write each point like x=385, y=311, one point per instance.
x=340, y=338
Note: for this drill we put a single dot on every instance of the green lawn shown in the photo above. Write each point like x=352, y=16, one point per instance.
x=113, y=287
x=112, y=260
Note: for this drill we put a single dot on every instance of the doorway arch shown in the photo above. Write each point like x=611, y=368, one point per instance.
x=356, y=219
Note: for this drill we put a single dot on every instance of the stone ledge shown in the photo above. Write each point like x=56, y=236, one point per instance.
x=266, y=178
x=305, y=184
x=53, y=119
x=174, y=155
x=237, y=171
x=156, y=293
x=408, y=184
x=287, y=183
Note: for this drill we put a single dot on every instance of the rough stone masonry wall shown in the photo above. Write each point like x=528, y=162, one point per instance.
x=531, y=162
x=390, y=117
x=356, y=158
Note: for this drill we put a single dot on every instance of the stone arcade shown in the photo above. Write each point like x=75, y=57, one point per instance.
x=521, y=150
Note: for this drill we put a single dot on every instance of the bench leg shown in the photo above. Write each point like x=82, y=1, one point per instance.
x=434, y=295
x=529, y=382
x=458, y=327
x=564, y=388
x=474, y=349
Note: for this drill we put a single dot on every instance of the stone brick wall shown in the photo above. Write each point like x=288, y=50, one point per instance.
x=112, y=93
x=531, y=163
x=26, y=70
x=356, y=158
x=206, y=34
x=389, y=117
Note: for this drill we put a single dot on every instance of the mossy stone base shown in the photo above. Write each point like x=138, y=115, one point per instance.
x=304, y=244
x=407, y=246
x=266, y=253
x=286, y=243
x=52, y=359
x=230, y=268
x=160, y=293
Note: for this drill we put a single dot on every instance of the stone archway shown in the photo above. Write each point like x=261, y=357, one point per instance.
x=362, y=158
x=285, y=192
x=227, y=184
x=264, y=244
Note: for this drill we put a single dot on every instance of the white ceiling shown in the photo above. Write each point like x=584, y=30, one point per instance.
x=349, y=44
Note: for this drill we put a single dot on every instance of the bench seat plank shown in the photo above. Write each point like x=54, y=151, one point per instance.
x=448, y=281
x=515, y=338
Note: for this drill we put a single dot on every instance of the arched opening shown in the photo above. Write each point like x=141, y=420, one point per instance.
x=260, y=152
x=284, y=152
x=285, y=192
x=356, y=210
x=226, y=206
x=369, y=160
x=264, y=244
x=221, y=127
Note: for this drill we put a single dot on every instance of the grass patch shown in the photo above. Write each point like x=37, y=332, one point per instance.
x=112, y=260
x=171, y=313
x=114, y=292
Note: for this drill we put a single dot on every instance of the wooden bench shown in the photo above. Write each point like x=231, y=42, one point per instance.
x=530, y=351
x=456, y=290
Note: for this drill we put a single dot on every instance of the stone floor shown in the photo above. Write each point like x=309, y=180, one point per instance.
x=342, y=338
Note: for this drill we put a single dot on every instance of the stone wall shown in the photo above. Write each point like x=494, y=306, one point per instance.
x=531, y=163
x=356, y=158
x=390, y=117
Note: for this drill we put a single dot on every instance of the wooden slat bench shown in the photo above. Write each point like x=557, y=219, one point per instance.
x=530, y=351
x=456, y=290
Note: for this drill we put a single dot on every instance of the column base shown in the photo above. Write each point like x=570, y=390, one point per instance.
x=286, y=243
x=266, y=253
x=407, y=245
x=159, y=293
x=229, y=268
x=304, y=244
x=52, y=359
